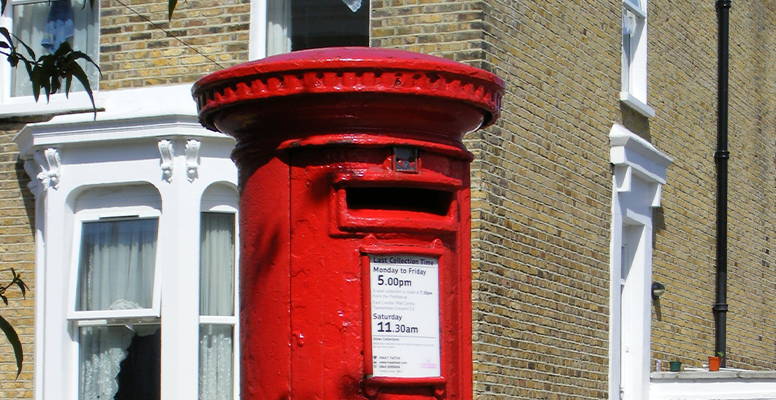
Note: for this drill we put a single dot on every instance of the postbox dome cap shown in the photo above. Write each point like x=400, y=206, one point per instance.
x=349, y=70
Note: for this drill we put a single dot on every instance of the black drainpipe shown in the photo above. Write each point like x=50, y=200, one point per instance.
x=721, y=157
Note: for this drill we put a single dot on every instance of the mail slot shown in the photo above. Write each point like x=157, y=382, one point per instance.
x=355, y=220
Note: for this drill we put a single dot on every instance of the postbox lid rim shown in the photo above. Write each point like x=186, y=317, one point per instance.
x=348, y=71
x=346, y=58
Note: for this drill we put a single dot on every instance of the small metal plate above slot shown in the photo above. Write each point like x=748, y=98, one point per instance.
x=405, y=159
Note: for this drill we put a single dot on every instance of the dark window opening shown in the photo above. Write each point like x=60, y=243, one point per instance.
x=140, y=371
x=328, y=23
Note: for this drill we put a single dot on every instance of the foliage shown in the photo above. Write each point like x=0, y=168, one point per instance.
x=46, y=72
x=6, y=327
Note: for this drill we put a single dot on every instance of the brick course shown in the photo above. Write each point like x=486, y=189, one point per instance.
x=683, y=80
x=17, y=251
x=137, y=47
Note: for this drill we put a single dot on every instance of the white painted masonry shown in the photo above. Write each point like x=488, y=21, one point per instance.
x=121, y=146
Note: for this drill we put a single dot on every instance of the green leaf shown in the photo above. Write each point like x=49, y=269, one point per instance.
x=2, y=5
x=79, y=74
x=28, y=48
x=10, y=333
x=6, y=34
x=170, y=8
x=5, y=299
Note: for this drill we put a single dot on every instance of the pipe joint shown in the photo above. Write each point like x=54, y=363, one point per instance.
x=720, y=307
x=721, y=154
x=723, y=4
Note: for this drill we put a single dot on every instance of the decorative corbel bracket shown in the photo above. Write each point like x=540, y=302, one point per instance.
x=637, y=164
x=44, y=169
x=192, y=158
x=166, y=163
x=33, y=169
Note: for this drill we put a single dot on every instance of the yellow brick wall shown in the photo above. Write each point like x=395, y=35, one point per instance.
x=136, y=51
x=17, y=251
x=541, y=183
x=446, y=28
x=541, y=178
x=683, y=82
x=543, y=196
x=541, y=186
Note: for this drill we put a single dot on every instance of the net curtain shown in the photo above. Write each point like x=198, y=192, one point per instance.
x=116, y=272
x=217, y=293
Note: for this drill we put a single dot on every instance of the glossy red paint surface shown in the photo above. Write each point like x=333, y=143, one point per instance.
x=322, y=190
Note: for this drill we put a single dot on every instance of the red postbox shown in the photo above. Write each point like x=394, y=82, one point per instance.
x=355, y=220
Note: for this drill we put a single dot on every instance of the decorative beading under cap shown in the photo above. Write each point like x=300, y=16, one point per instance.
x=348, y=70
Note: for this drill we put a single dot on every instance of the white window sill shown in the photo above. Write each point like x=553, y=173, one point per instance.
x=637, y=105
x=59, y=104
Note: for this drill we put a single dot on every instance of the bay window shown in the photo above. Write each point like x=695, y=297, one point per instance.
x=136, y=255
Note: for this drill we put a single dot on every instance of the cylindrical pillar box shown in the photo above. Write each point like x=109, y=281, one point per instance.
x=355, y=274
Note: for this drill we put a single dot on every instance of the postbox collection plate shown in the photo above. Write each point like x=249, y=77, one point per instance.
x=404, y=318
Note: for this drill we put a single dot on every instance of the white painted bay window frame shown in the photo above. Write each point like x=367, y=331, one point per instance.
x=152, y=137
x=225, y=202
x=108, y=214
x=634, y=57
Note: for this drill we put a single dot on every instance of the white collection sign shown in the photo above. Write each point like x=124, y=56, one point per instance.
x=405, y=315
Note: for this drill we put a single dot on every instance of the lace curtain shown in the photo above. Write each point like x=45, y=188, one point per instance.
x=43, y=26
x=102, y=350
x=116, y=272
x=216, y=378
x=217, y=270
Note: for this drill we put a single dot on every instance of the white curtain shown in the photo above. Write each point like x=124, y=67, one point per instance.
x=217, y=293
x=278, y=27
x=216, y=273
x=116, y=272
x=117, y=264
x=102, y=350
x=44, y=25
x=216, y=379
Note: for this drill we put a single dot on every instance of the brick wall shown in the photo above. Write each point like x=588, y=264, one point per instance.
x=445, y=28
x=17, y=251
x=683, y=81
x=541, y=185
x=541, y=217
x=541, y=178
x=136, y=50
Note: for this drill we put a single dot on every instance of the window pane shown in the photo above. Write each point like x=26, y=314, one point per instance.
x=116, y=270
x=216, y=363
x=120, y=363
x=44, y=25
x=216, y=274
x=309, y=24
